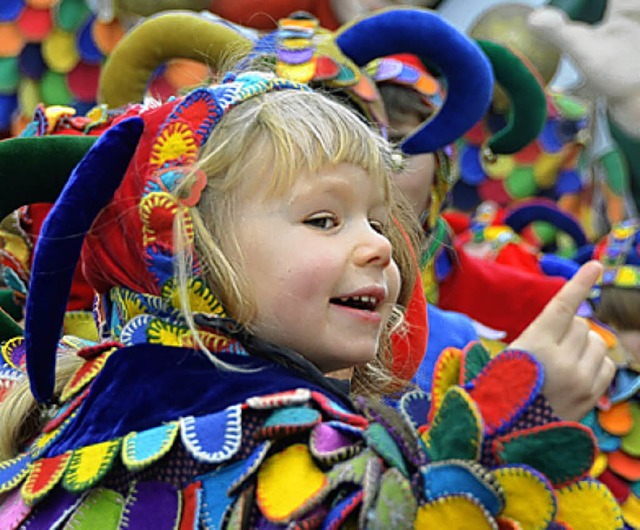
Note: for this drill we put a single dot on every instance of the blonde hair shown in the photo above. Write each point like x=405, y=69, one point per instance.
x=618, y=307
x=21, y=417
x=275, y=137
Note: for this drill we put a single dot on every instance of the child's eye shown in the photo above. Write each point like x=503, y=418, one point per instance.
x=323, y=221
x=377, y=226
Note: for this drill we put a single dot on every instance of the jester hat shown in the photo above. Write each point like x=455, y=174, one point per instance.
x=359, y=42
x=119, y=194
x=304, y=52
x=619, y=252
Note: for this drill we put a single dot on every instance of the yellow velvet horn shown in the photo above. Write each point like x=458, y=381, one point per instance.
x=170, y=35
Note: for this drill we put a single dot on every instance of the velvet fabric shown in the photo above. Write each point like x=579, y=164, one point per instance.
x=528, y=103
x=43, y=164
x=89, y=188
x=145, y=385
x=541, y=210
x=467, y=70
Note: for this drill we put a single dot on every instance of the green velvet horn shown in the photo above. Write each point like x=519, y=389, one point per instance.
x=36, y=169
x=528, y=109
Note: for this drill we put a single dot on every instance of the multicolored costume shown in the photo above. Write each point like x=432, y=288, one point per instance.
x=281, y=446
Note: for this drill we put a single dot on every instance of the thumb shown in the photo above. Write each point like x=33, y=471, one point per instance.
x=554, y=26
x=555, y=319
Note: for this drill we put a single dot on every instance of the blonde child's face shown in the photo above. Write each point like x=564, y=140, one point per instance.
x=320, y=270
x=416, y=178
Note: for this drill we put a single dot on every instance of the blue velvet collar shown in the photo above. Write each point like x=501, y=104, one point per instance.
x=144, y=385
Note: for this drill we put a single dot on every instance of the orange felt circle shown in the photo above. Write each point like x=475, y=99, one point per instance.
x=185, y=72
x=35, y=24
x=106, y=35
x=624, y=465
x=617, y=420
x=41, y=4
x=11, y=40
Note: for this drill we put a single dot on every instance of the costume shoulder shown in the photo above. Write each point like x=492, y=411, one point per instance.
x=258, y=456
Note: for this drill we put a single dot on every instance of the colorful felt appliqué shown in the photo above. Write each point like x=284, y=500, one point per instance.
x=287, y=457
x=213, y=438
x=139, y=449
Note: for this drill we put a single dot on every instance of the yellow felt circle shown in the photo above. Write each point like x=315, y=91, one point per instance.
x=599, y=465
x=500, y=168
x=287, y=481
x=59, y=51
x=545, y=170
x=28, y=95
x=445, y=375
x=587, y=505
x=522, y=490
x=452, y=513
x=631, y=511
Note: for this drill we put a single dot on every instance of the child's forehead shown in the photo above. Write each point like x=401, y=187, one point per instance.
x=330, y=178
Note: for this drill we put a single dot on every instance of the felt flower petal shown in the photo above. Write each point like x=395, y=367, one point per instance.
x=342, y=510
x=624, y=465
x=288, y=483
x=588, y=504
x=351, y=471
x=140, y=449
x=504, y=388
x=154, y=505
x=619, y=487
x=191, y=504
x=562, y=451
x=370, y=482
x=52, y=511
x=617, y=420
x=599, y=465
x=85, y=374
x=456, y=430
x=338, y=412
x=213, y=438
x=446, y=373
x=101, y=508
x=414, y=407
x=289, y=420
x=249, y=467
x=13, y=471
x=44, y=475
x=504, y=523
x=631, y=511
x=475, y=358
x=631, y=440
x=216, y=498
x=379, y=439
x=460, y=477
x=454, y=511
x=523, y=489
x=89, y=464
x=330, y=445
x=395, y=506
x=13, y=511
x=298, y=396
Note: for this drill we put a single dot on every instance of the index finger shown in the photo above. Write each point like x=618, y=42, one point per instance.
x=558, y=314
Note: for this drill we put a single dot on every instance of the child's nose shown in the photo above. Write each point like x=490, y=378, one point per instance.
x=373, y=249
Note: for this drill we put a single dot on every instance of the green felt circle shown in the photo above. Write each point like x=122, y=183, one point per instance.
x=9, y=75
x=71, y=14
x=521, y=183
x=54, y=89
